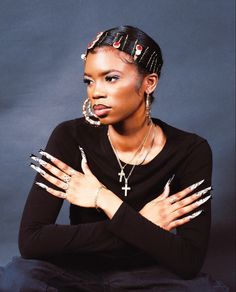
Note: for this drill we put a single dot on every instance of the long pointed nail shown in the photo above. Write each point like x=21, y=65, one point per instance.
x=169, y=181
x=41, y=185
x=194, y=186
x=194, y=215
x=202, y=201
x=203, y=192
x=83, y=153
x=39, y=160
x=38, y=169
x=47, y=155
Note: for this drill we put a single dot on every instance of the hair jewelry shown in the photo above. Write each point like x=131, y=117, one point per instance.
x=92, y=44
x=138, y=51
x=117, y=44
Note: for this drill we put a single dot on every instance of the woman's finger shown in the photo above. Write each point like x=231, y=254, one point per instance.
x=190, y=199
x=52, y=169
x=185, y=210
x=180, y=195
x=61, y=165
x=55, y=181
x=84, y=164
x=53, y=192
x=184, y=220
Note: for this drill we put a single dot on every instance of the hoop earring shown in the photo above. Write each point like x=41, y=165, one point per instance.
x=148, y=108
x=87, y=113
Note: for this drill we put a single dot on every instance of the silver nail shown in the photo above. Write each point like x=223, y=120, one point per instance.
x=169, y=181
x=194, y=186
x=39, y=160
x=47, y=155
x=202, y=201
x=38, y=169
x=83, y=153
x=203, y=192
x=194, y=215
x=41, y=185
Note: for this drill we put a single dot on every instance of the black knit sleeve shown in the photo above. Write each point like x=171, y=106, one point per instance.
x=39, y=235
x=184, y=251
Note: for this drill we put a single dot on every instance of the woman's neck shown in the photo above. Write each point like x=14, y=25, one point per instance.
x=126, y=137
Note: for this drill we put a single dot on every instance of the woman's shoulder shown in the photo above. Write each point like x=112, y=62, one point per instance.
x=180, y=137
x=77, y=128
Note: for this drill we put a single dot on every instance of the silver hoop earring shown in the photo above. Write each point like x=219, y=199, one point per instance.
x=148, y=108
x=88, y=113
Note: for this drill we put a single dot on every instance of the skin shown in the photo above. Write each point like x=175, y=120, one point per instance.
x=114, y=81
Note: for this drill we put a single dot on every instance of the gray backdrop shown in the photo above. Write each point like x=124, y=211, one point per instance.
x=41, y=85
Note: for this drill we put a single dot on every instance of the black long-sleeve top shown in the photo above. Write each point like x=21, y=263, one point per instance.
x=127, y=239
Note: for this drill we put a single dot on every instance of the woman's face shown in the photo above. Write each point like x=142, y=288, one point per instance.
x=114, y=86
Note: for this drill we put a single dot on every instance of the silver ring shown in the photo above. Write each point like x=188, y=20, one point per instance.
x=62, y=195
x=65, y=186
x=66, y=178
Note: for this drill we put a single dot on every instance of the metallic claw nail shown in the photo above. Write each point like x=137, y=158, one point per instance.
x=47, y=155
x=194, y=215
x=41, y=185
x=39, y=160
x=38, y=169
x=169, y=181
x=83, y=153
x=194, y=186
x=202, y=201
x=203, y=192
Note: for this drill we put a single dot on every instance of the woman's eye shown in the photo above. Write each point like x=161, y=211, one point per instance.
x=87, y=81
x=112, y=78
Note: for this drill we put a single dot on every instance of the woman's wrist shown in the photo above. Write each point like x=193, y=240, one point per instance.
x=107, y=201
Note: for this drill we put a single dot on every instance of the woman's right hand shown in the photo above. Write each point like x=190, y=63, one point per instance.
x=167, y=211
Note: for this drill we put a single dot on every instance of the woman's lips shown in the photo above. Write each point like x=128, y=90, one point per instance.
x=101, y=110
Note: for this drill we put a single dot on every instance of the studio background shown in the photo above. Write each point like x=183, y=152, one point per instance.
x=41, y=85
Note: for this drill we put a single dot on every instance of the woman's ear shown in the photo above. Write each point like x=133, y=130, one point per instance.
x=151, y=81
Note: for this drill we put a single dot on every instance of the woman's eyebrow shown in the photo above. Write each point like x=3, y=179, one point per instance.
x=103, y=73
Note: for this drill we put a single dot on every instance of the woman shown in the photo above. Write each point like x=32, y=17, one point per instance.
x=139, y=189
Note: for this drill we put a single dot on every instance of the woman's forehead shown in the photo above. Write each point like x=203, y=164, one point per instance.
x=107, y=59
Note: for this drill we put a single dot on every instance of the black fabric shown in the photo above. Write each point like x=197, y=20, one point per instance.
x=128, y=241
x=33, y=275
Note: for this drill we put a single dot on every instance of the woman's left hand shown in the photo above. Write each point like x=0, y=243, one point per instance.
x=78, y=188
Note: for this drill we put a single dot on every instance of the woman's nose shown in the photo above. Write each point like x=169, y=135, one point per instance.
x=98, y=92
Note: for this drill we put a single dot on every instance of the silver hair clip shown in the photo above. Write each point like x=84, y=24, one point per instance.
x=134, y=47
x=92, y=44
x=126, y=38
x=150, y=58
x=101, y=39
x=144, y=53
x=154, y=58
x=155, y=64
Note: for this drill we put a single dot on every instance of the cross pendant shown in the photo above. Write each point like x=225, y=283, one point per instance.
x=121, y=175
x=126, y=188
